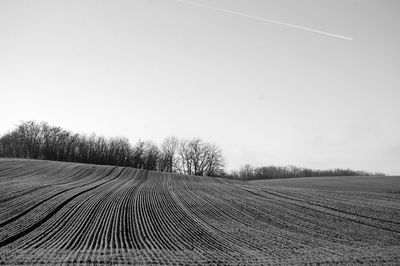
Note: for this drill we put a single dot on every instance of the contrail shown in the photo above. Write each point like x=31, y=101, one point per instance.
x=267, y=20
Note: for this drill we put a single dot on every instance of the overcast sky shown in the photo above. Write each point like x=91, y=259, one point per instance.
x=266, y=93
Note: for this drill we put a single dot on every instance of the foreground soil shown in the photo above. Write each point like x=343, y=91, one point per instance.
x=67, y=213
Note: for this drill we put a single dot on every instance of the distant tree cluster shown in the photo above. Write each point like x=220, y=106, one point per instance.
x=249, y=172
x=188, y=156
x=42, y=141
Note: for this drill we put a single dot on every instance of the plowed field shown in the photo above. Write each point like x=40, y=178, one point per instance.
x=53, y=212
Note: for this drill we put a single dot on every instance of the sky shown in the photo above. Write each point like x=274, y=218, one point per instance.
x=266, y=93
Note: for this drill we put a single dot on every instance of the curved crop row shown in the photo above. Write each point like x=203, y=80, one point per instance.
x=54, y=212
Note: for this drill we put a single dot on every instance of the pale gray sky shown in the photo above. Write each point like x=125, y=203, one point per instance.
x=265, y=93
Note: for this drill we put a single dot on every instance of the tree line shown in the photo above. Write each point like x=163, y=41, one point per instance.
x=42, y=141
x=185, y=156
x=248, y=172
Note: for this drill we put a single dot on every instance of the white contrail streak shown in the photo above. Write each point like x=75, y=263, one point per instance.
x=267, y=20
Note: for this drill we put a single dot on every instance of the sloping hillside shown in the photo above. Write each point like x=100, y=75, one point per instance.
x=52, y=212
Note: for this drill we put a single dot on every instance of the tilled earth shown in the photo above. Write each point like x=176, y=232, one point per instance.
x=68, y=213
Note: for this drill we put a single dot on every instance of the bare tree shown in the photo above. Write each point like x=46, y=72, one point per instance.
x=11, y=145
x=29, y=134
x=213, y=161
x=199, y=158
x=137, y=154
x=119, y=151
x=151, y=156
x=168, y=154
x=185, y=160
